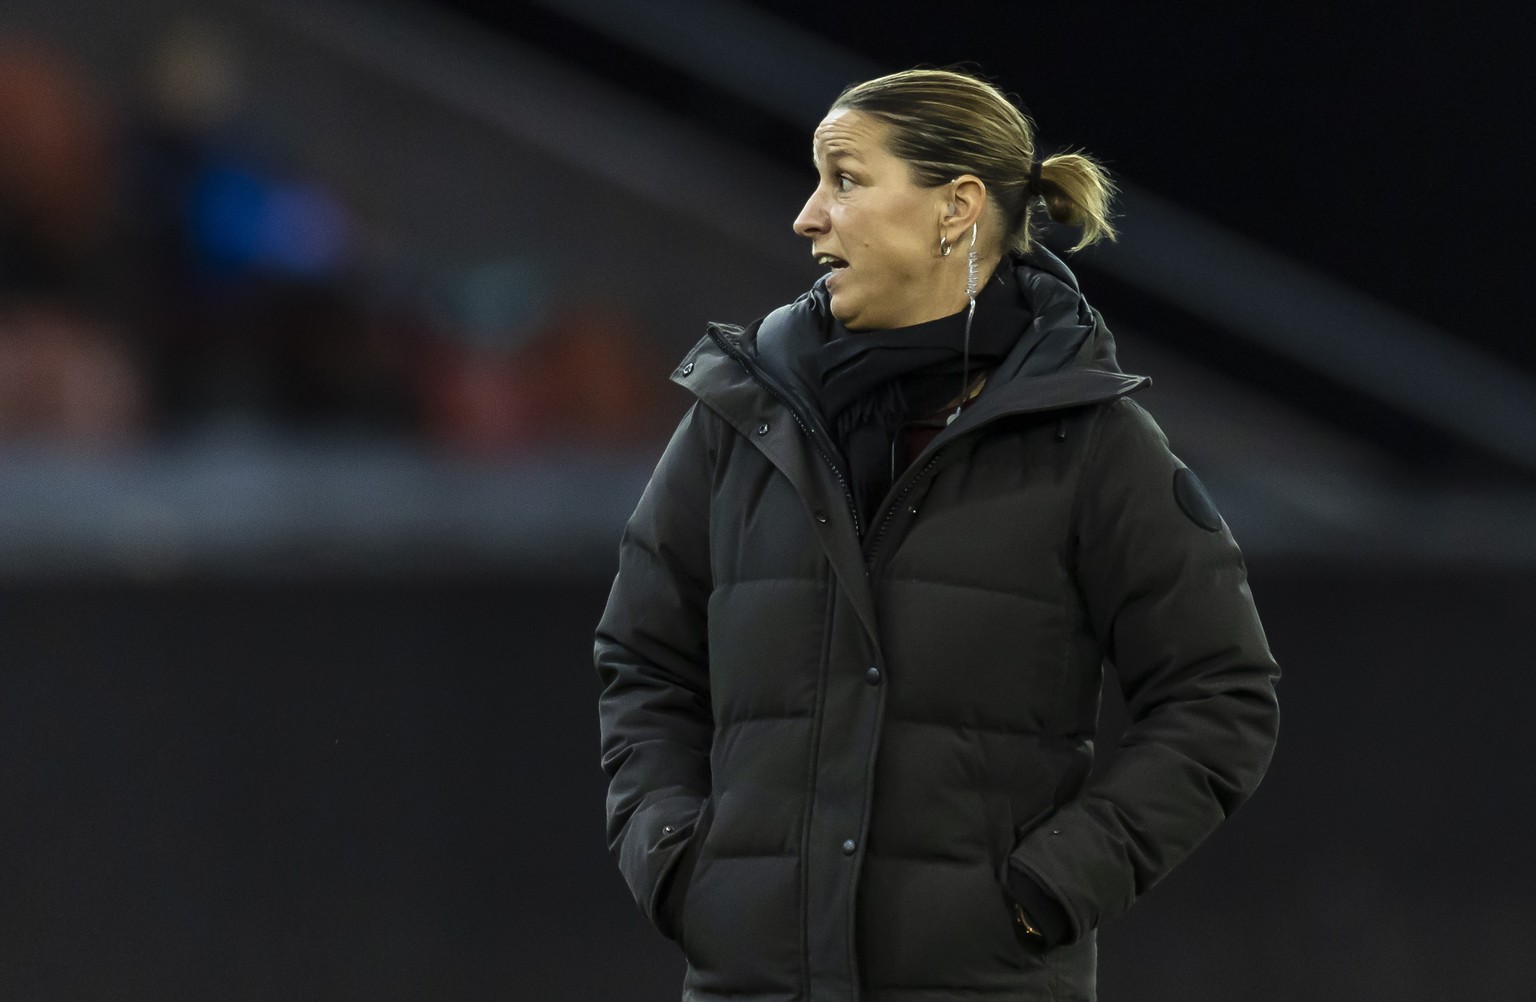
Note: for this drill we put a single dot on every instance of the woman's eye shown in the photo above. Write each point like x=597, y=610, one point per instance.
x=844, y=182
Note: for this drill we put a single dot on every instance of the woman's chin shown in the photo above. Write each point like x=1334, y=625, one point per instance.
x=855, y=320
x=844, y=308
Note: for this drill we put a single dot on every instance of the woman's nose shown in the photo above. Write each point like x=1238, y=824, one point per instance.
x=812, y=220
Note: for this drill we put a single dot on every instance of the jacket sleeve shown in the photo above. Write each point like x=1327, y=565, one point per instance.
x=1166, y=593
x=651, y=653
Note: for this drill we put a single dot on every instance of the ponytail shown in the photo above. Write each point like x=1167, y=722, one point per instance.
x=1076, y=191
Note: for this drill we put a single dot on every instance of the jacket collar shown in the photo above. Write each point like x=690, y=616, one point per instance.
x=1066, y=357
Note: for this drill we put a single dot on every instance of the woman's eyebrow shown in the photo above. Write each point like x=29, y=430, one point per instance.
x=834, y=157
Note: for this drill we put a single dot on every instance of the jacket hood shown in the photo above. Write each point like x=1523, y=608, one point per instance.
x=1065, y=355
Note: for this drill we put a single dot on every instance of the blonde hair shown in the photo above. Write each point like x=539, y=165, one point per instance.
x=945, y=123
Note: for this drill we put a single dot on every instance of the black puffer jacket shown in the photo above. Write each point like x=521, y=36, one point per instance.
x=834, y=746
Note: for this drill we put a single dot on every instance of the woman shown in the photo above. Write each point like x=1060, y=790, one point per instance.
x=852, y=657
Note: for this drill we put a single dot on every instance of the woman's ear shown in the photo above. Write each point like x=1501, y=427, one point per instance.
x=967, y=198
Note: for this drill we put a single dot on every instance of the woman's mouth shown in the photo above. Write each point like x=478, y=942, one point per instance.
x=831, y=261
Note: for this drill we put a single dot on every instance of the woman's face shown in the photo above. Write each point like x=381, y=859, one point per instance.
x=879, y=232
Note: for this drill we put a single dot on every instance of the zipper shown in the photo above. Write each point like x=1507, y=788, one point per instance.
x=913, y=479
x=890, y=510
x=716, y=333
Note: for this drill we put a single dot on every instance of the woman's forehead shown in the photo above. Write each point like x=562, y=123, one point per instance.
x=850, y=133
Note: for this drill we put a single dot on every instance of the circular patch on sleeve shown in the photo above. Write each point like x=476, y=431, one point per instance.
x=1195, y=500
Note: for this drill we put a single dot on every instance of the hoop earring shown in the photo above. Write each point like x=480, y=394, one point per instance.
x=945, y=246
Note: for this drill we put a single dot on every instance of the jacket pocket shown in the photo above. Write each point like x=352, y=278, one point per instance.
x=672, y=891
x=1011, y=830
x=1024, y=952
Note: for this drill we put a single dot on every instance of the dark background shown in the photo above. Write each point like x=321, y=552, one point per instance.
x=349, y=791
x=360, y=760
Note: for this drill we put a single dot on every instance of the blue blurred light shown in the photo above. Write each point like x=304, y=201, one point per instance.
x=242, y=221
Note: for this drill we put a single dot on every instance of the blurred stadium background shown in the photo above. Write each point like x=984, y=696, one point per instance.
x=333, y=352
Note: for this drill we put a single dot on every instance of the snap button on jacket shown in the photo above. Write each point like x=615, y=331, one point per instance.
x=829, y=744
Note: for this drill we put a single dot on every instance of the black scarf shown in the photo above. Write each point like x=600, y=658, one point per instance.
x=875, y=386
